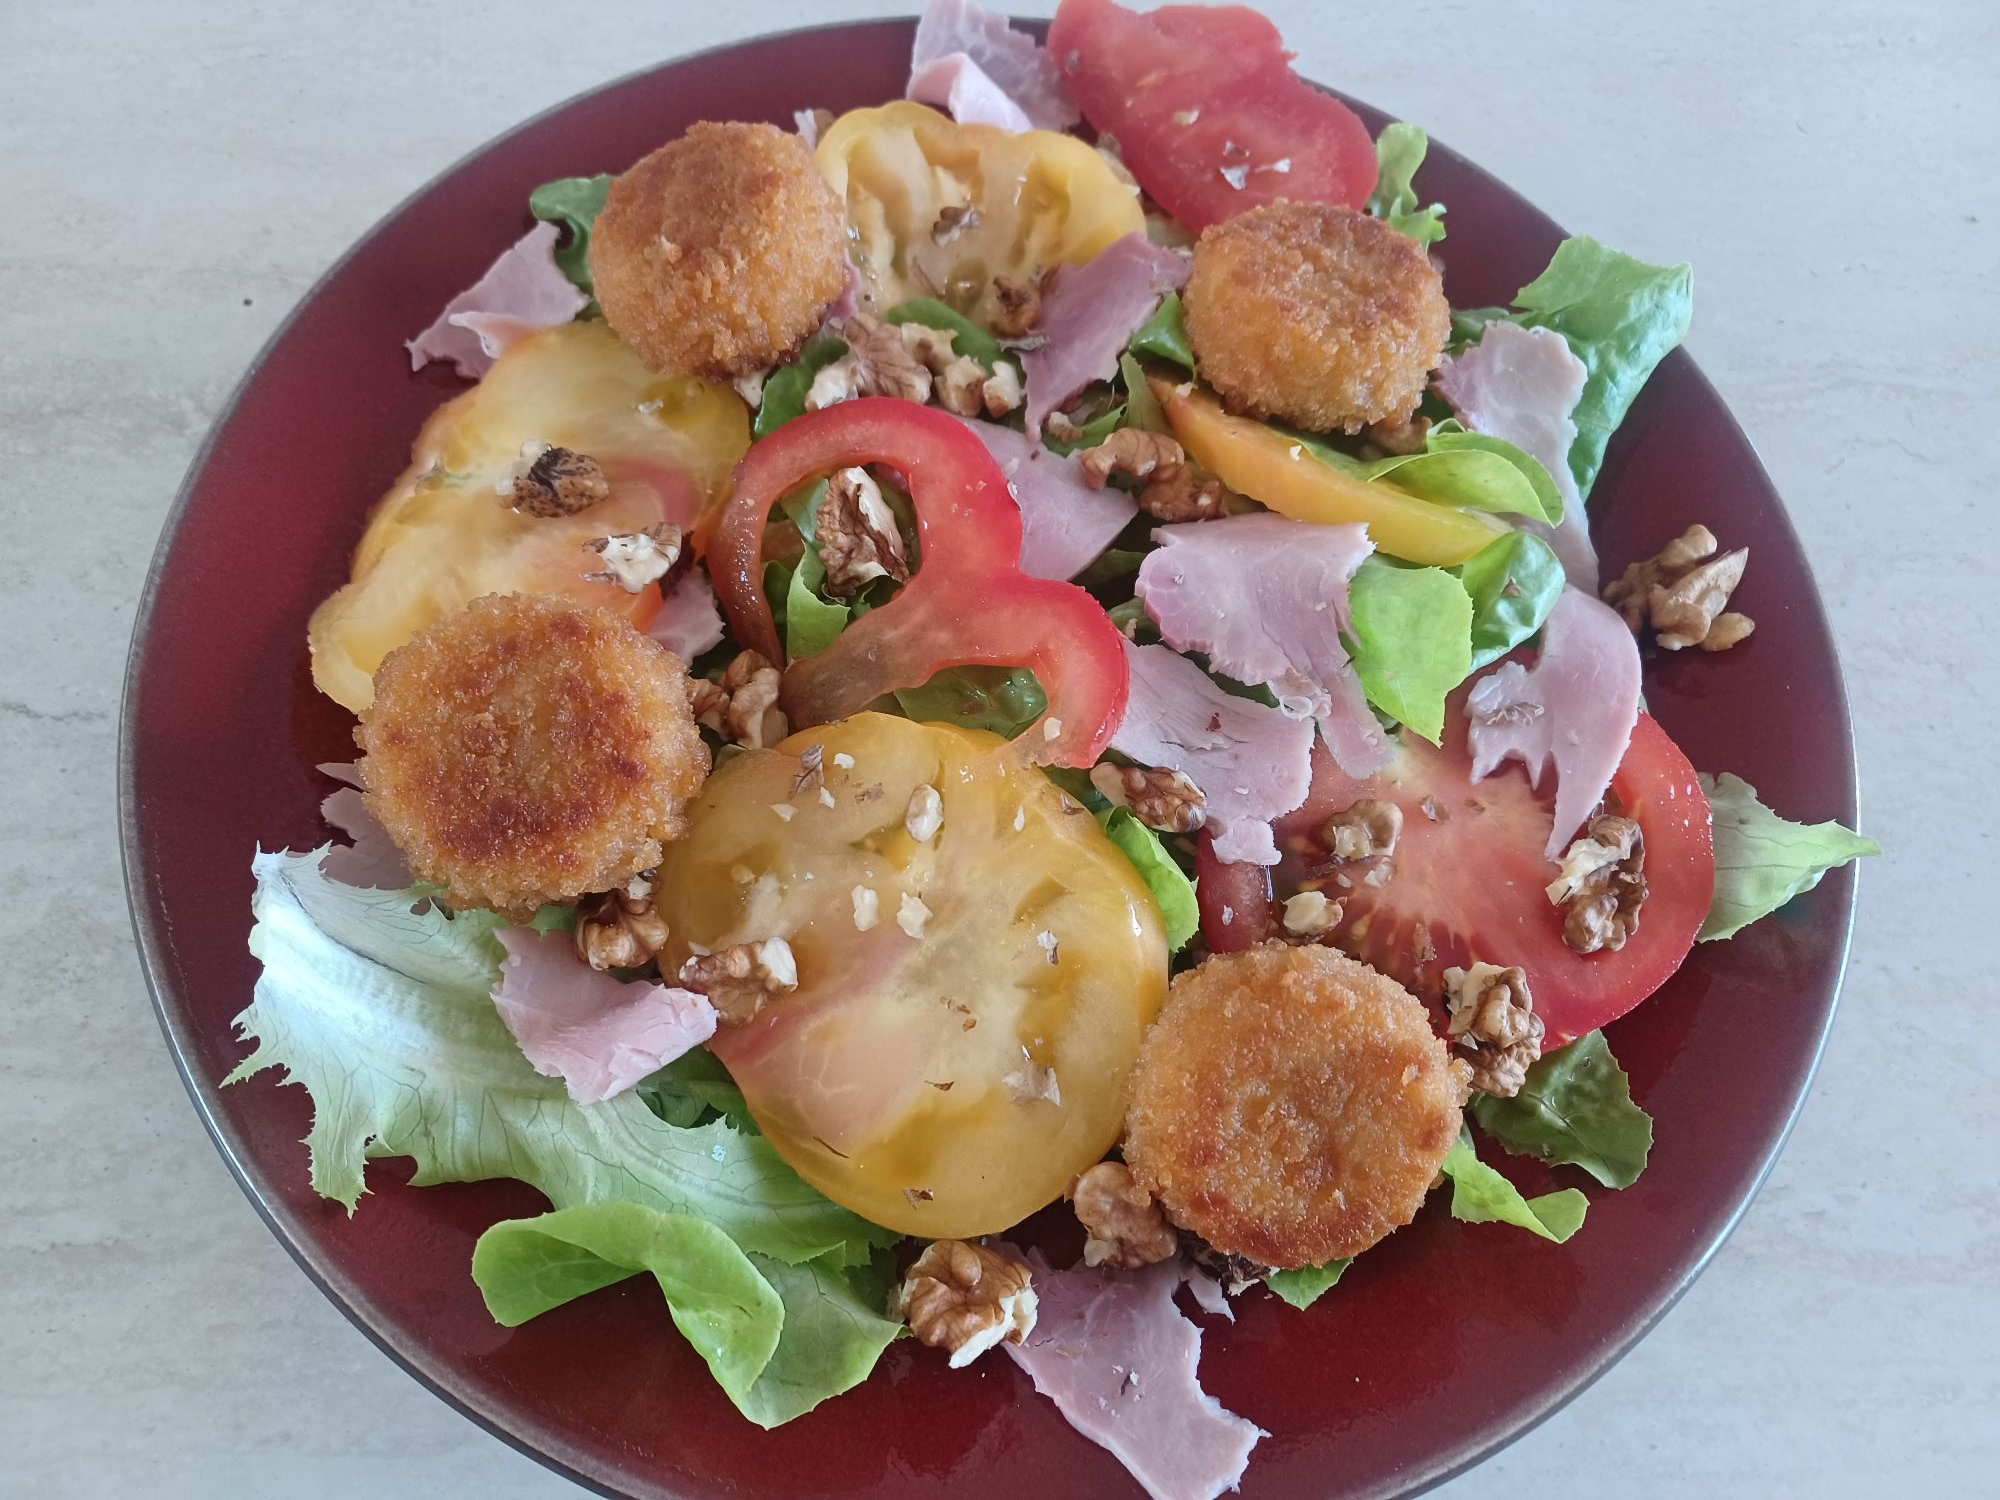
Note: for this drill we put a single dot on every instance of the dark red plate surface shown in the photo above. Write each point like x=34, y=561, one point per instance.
x=1436, y=1348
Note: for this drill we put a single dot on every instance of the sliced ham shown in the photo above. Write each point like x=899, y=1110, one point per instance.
x=1265, y=599
x=522, y=292
x=961, y=86
x=370, y=858
x=1521, y=385
x=1065, y=524
x=1573, y=709
x=1252, y=762
x=689, y=621
x=597, y=1034
x=1119, y=1360
x=1012, y=63
x=1089, y=314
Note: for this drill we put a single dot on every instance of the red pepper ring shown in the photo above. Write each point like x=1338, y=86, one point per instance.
x=968, y=604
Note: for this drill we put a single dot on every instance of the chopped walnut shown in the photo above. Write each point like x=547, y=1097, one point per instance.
x=751, y=387
x=1493, y=1018
x=925, y=813
x=965, y=1299
x=1020, y=306
x=1126, y=1228
x=1161, y=799
x=878, y=362
x=1032, y=1081
x=912, y=915
x=1405, y=437
x=740, y=978
x=1003, y=391
x=1059, y=426
x=1134, y=452
x=1183, y=497
x=1363, y=831
x=1310, y=915
x=1602, y=885
x=558, y=482
x=743, y=706
x=953, y=220
x=619, y=929
x=1237, y=1273
x=1681, y=592
x=858, y=537
x=961, y=387
x=636, y=559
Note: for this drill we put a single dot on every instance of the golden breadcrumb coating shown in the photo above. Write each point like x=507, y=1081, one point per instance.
x=526, y=749
x=1319, y=316
x=1291, y=1106
x=720, y=253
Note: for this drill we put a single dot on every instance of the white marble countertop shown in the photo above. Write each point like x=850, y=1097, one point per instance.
x=175, y=175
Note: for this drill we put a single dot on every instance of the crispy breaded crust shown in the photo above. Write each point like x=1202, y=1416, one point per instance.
x=526, y=750
x=1291, y=1106
x=721, y=252
x=1319, y=316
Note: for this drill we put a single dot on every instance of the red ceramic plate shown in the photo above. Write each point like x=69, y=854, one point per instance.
x=1436, y=1348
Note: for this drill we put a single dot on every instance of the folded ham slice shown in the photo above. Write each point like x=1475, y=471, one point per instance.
x=689, y=621
x=1574, y=709
x=522, y=292
x=1065, y=524
x=1118, y=1359
x=1089, y=313
x=964, y=54
x=962, y=87
x=1252, y=762
x=370, y=858
x=1265, y=599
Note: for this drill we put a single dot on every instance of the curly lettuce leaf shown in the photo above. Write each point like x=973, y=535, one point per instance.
x=1480, y=1195
x=1619, y=315
x=812, y=621
x=1164, y=335
x=1514, y=583
x=1399, y=151
x=1575, y=1109
x=574, y=203
x=1304, y=1287
x=1169, y=884
x=786, y=388
x=1411, y=640
x=1762, y=860
x=1005, y=700
x=385, y=1015
x=967, y=336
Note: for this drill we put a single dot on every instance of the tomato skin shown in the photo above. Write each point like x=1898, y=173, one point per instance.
x=1192, y=93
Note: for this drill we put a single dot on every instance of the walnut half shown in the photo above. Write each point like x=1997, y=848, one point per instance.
x=1493, y=1018
x=1601, y=885
x=858, y=537
x=558, y=482
x=1160, y=799
x=1681, y=591
x=965, y=1299
x=1170, y=490
x=1126, y=1228
x=619, y=929
x=743, y=706
x=740, y=978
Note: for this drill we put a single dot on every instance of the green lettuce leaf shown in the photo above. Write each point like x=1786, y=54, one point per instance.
x=1411, y=640
x=1761, y=860
x=1399, y=151
x=812, y=621
x=779, y=1339
x=1468, y=470
x=1005, y=700
x=386, y=1016
x=1142, y=407
x=1620, y=316
x=1164, y=878
x=695, y=1088
x=785, y=390
x=1164, y=335
x=1480, y=1195
x=969, y=337
x=1514, y=583
x=1575, y=1109
x=1303, y=1288
x=575, y=203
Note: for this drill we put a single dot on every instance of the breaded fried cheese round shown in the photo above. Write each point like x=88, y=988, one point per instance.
x=720, y=253
x=1316, y=315
x=526, y=749
x=1291, y=1106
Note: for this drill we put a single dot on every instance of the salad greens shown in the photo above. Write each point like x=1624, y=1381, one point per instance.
x=1480, y=1195
x=786, y=388
x=1165, y=879
x=1164, y=335
x=1467, y=470
x=1005, y=700
x=1302, y=1288
x=1575, y=1109
x=1412, y=633
x=968, y=337
x=1513, y=583
x=575, y=203
x=1763, y=860
x=1399, y=151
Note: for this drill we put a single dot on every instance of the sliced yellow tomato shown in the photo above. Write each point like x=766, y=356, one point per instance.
x=448, y=532
x=1028, y=201
x=1277, y=471
x=969, y=1006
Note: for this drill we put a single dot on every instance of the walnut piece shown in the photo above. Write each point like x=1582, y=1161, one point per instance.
x=1404, y=437
x=1020, y=306
x=619, y=929
x=1003, y=391
x=558, y=482
x=636, y=559
x=965, y=1299
x=743, y=707
x=925, y=814
x=1237, y=1273
x=740, y=978
x=1171, y=491
x=1493, y=1018
x=1310, y=915
x=1126, y=1228
x=953, y=220
x=879, y=362
x=1183, y=497
x=1681, y=592
x=1602, y=885
x=1160, y=799
x=1366, y=829
x=858, y=537
x=751, y=387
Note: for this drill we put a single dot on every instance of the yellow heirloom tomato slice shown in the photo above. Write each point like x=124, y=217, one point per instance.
x=969, y=1004
x=1025, y=202
x=448, y=533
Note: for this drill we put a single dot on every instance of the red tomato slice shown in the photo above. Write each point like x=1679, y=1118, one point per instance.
x=1468, y=884
x=1207, y=111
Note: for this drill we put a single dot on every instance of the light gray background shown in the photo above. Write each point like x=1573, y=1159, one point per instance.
x=1829, y=169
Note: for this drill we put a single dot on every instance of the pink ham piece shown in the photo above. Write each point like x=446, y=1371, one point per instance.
x=967, y=94
x=1574, y=708
x=1253, y=763
x=1065, y=524
x=521, y=293
x=955, y=37
x=689, y=621
x=1265, y=599
x=1521, y=385
x=597, y=1034
x=1118, y=1359
x=1089, y=313
x=370, y=859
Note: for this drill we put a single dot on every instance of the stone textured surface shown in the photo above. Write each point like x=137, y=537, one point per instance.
x=175, y=175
